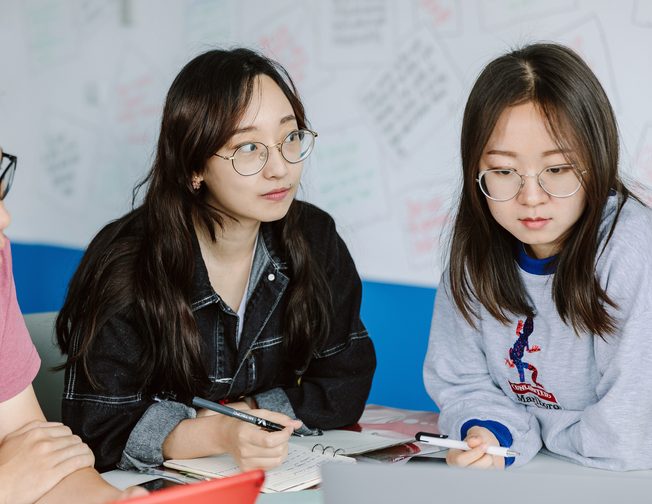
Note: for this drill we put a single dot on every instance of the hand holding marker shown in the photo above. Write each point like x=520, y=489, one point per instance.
x=443, y=441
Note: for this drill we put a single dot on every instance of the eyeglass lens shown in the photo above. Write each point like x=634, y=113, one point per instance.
x=7, y=170
x=503, y=185
x=250, y=158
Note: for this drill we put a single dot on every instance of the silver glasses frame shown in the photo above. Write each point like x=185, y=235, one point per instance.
x=267, y=147
x=579, y=173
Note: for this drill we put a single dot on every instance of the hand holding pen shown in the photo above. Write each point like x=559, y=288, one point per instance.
x=257, y=439
x=480, y=449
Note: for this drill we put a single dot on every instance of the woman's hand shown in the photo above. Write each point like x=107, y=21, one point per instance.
x=254, y=448
x=34, y=458
x=478, y=439
x=213, y=433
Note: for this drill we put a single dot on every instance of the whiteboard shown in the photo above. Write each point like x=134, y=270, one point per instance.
x=384, y=83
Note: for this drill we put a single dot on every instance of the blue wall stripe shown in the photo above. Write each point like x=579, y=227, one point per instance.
x=397, y=317
x=42, y=273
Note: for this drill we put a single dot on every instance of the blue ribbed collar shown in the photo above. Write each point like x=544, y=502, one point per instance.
x=532, y=265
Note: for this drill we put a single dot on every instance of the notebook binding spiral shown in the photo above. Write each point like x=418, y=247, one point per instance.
x=326, y=449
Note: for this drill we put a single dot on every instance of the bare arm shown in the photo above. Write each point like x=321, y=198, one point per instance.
x=43, y=460
x=87, y=486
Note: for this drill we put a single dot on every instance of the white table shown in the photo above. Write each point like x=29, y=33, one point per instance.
x=543, y=465
x=545, y=480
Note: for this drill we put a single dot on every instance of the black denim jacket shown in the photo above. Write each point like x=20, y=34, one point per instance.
x=128, y=426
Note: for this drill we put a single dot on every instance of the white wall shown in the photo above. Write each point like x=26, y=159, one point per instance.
x=82, y=84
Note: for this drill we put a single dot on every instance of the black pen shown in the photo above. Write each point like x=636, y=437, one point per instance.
x=240, y=415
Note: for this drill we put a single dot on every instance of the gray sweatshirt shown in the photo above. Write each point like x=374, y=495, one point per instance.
x=535, y=383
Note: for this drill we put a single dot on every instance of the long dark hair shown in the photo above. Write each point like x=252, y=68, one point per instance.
x=143, y=264
x=581, y=120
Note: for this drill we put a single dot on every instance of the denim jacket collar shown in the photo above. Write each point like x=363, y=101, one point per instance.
x=265, y=256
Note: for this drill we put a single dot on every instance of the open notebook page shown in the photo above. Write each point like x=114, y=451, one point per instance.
x=300, y=470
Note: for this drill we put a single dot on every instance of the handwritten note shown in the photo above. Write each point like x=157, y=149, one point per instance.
x=587, y=38
x=289, y=39
x=425, y=213
x=286, y=47
x=135, y=102
x=413, y=96
x=61, y=160
x=208, y=23
x=138, y=101
x=91, y=16
x=255, y=14
x=348, y=176
x=66, y=154
x=502, y=13
x=444, y=16
x=355, y=32
x=49, y=32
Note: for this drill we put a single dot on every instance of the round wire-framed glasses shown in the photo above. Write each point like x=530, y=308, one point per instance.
x=503, y=184
x=250, y=158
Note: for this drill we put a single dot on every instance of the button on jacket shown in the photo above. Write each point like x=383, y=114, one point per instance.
x=127, y=425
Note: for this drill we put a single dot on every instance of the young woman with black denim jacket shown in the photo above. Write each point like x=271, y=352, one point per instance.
x=151, y=318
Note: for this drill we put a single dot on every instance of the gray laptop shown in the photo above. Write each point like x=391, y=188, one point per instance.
x=544, y=480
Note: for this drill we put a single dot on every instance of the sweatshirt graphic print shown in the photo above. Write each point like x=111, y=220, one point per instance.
x=534, y=392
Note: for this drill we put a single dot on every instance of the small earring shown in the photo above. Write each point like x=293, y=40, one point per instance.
x=196, y=182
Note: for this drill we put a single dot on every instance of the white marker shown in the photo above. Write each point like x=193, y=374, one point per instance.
x=443, y=441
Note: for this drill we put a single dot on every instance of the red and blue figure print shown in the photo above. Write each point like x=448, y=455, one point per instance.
x=516, y=352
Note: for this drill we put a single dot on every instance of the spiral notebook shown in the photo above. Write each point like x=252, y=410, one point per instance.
x=345, y=442
x=300, y=470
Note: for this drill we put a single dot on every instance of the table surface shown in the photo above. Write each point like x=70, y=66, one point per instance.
x=542, y=464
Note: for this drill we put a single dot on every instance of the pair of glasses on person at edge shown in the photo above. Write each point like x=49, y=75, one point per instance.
x=7, y=170
x=503, y=184
x=249, y=158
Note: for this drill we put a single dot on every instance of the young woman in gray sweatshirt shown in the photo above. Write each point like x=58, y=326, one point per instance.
x=540, y=335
